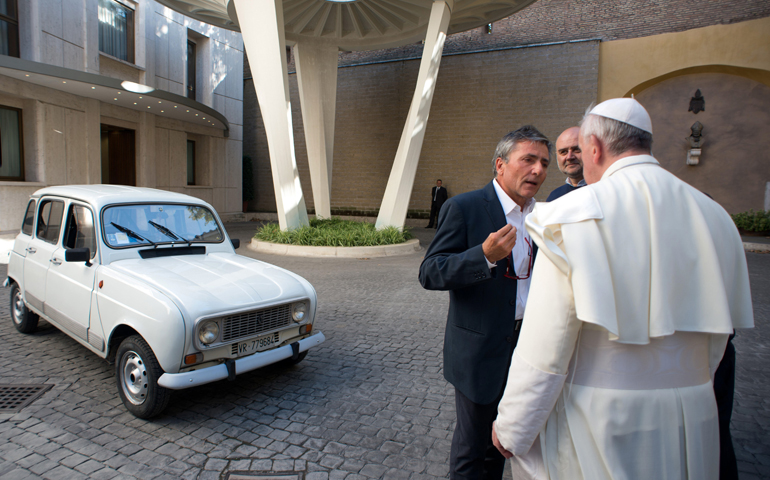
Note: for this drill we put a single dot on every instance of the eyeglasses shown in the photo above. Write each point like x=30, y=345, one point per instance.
x=510, y=273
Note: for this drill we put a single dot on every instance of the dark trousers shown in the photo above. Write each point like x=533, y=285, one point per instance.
x=724, y=388
x=434, y=209
x=473, y=455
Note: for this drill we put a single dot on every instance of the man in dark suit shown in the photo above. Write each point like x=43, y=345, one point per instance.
x=569, y=159
x=438, y=196
x=483, y=256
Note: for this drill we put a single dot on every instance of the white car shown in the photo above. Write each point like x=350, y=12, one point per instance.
x=150, y=280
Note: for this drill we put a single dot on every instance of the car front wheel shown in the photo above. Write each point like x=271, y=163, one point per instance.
x=138, y=372
x=24, y=320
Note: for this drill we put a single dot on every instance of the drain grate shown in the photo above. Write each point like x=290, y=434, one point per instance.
x=15, y=397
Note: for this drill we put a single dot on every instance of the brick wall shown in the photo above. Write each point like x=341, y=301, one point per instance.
x=562, y=20
x=479, y=98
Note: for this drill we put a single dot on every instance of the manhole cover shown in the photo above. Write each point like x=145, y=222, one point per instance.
x=15, y=397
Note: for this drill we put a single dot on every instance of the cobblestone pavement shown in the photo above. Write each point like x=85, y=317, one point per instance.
x=370, y=402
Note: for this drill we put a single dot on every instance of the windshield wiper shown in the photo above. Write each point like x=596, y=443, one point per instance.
x=169, y=233
x=131, y=233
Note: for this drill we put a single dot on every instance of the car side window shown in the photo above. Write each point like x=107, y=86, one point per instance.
x=80, y=229
x=29, y=219
x=49, y=219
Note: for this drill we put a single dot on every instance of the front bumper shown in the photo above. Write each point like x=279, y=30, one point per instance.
x=179, y=381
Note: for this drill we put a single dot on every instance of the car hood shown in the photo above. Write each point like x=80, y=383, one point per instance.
x=215, y=283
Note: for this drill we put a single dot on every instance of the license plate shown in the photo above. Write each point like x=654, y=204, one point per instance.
x=256, y=345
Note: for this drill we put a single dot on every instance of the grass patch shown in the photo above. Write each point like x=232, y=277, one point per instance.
x=334, y=232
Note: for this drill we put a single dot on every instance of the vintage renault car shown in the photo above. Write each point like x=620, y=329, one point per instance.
x=149, y=279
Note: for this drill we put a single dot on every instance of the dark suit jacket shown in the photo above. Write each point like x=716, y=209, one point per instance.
x=561, y=191
x=481, y=328
x=440, y=198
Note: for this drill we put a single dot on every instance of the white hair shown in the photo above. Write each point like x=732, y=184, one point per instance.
x=617, y=137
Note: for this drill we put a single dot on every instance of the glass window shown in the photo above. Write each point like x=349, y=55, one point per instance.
x=49, y=220
x=190, y=162
x=9, y=28
x=29, y=219
x=191, y=69
x=80, y=229
x=11, y=164
x=116, y=30
x=136, y=225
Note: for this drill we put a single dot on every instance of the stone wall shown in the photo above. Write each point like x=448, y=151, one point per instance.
x=733, y=165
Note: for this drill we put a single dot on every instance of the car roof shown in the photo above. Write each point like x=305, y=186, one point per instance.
x=101, y=195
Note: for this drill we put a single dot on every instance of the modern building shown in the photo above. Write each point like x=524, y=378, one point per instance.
x=125, y=92
x=544, y=65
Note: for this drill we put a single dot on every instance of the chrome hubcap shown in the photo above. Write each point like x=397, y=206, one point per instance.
x=134, y=379
x=18, y=308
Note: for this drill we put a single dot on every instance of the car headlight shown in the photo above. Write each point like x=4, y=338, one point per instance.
x=208, y=332
x=299, y=311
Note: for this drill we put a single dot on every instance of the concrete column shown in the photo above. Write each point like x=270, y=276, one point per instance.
x=93, y=128
x=146, y=175
x=317, y=77
x=399, y=189
x=265, y=44
x=30, y=30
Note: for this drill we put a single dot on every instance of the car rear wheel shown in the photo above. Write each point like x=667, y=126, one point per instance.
x=24, y=320
x=138, y=372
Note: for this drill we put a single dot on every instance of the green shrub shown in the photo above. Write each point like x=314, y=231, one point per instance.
x=334, y=232
x=752, y=221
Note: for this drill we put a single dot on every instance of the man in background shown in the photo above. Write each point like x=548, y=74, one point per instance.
x=438, y=195
x=570, y=163
x=483, y=256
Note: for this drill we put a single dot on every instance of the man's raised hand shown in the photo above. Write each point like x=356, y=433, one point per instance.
x=499, y=244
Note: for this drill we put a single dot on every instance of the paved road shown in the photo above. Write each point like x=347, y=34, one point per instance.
x=371, y=402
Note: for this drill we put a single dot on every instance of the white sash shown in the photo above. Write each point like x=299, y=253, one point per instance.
x=678, y=360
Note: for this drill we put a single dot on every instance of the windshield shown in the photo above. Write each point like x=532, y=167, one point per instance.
x=153, y=224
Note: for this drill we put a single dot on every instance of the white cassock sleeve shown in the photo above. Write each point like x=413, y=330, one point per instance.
x=541, y=359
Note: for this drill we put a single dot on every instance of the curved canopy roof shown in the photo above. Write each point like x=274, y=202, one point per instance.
x=356, y=24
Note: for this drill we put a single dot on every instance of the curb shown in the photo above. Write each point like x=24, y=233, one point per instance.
x=756, y=247
x=406, y=248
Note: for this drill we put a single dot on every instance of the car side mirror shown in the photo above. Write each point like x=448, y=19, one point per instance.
x=236, y=242
x=77, y=255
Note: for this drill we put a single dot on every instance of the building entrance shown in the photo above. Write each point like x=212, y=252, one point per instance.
x=118, y=155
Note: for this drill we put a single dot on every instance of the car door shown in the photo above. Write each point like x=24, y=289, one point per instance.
x=21, y=243
x=69, y=284
x=40, y=250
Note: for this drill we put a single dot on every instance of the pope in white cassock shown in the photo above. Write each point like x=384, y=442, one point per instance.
x=639, y=281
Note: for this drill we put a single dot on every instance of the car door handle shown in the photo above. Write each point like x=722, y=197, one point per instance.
x=31, y=250
x=55, y=261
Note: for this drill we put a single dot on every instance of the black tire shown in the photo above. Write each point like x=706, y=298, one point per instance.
x=24, y=320
x=290, y=361
x=137, y=371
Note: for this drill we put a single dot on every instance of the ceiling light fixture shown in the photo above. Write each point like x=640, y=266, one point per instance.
x=136, y=87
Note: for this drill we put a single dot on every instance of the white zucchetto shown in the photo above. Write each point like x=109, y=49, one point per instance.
x=626, y=110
